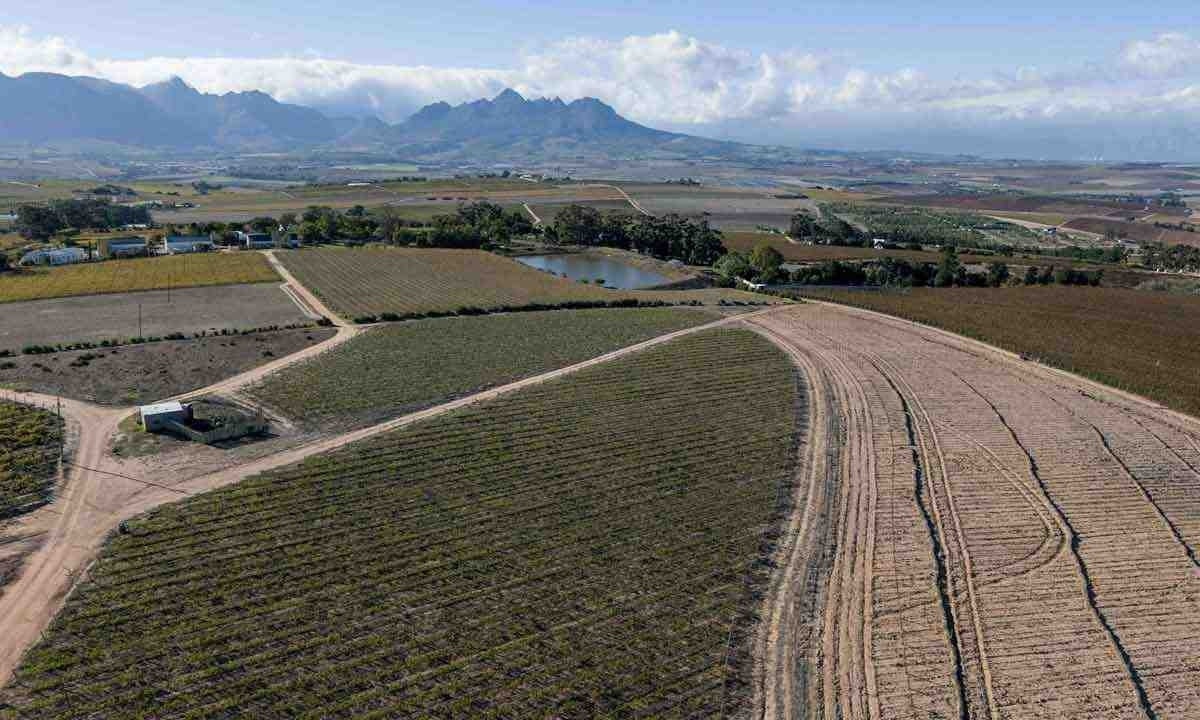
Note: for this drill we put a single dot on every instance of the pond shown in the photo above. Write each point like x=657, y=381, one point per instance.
x=615, y=273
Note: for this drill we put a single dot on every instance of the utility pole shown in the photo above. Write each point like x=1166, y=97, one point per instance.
x=139, y=320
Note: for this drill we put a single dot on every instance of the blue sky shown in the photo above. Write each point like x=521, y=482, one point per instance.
x=1081, y=79
x=948, y=36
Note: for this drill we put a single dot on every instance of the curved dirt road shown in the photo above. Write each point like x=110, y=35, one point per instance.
x=1008, y=540
x=97, y=498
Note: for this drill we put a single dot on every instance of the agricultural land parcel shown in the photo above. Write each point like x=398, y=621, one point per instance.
x=415, y=199
x=801, y=253
x=120, y=276
x=373, y=280
x=94, y=318
x=397, y=368
x=29, y=447
x=1148, y=343
x=148, y=372
x=588, y=547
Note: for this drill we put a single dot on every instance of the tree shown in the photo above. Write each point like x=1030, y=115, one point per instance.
x=1047, y=275
x=765, y=260
x=948, y=267
x=802, y=226
x=1031, y=275
x=997, y=274
x=287, y=219
x=578, y=225
x=3, y=261
x=263, y=224
x=734, y=265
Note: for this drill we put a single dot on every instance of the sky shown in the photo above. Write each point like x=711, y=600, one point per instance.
x=1068, y=80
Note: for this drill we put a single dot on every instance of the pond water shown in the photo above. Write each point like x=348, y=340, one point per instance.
x=615, y=273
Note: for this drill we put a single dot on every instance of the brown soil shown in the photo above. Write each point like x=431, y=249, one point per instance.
x=93, y=318
x=1011, y=540
x=1136, y=231
x=137, y=374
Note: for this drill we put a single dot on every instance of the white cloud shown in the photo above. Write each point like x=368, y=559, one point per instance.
x=674, y=80
x=1167, y=54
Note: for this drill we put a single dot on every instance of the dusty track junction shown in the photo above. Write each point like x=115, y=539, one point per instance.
x=975, y=536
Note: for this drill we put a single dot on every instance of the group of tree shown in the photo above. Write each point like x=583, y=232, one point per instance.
x=763, y=264
x=1185, y=258
x=947, y=272
x=41, y=221
x=669, y=236
x=829, y=229
x=1050, y=275
x=477, y=225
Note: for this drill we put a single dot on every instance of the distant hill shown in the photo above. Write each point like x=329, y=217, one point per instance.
x=40, y=108
x=511, y=126
x=44, y=108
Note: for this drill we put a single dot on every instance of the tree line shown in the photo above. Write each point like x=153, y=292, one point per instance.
x=668, y=236
x=41, y=221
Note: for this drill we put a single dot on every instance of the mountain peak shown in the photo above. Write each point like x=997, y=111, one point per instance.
x=509, y=97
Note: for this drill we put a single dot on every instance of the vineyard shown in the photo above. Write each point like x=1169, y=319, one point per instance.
x=589, y=547
x=119, y=276
x=397, y=368
x=903, y=224
x=29, y=449
x=1147, y=343
x=372, y=281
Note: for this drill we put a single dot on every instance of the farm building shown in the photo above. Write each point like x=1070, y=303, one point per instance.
x=256, y=241
x=158, y=418
x=879, y=243
x=120, y=247
x=181, y=244
x=55, y=256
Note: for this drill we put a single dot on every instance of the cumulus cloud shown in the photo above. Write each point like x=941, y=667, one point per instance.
x=1167, y=54
x=675, y=80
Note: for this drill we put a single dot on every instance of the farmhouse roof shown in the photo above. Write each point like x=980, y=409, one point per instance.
x=159, y=408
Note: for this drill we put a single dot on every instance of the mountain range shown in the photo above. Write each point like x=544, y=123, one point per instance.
x=45, y=108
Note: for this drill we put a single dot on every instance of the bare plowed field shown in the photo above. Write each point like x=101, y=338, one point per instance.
x=93, y=318
x=1004, y=540
x=1139, y=232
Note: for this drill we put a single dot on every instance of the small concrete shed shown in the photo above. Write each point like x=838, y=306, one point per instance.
x=156, y=418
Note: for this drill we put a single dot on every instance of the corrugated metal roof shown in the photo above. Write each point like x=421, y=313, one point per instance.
x=159, y=408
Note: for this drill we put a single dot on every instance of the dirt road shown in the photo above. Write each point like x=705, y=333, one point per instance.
x=100, y=494
x=303, y=293
x=536, y=220
x=1009, y=540
x=633, y=203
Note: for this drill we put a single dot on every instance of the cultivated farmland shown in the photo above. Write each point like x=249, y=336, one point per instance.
x=397, y=368
x=991, y=539
x=370, y=281
x=29, y=448
x=94, y=318
x=119, y=276
x=589, y=547
x=1148, y=343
